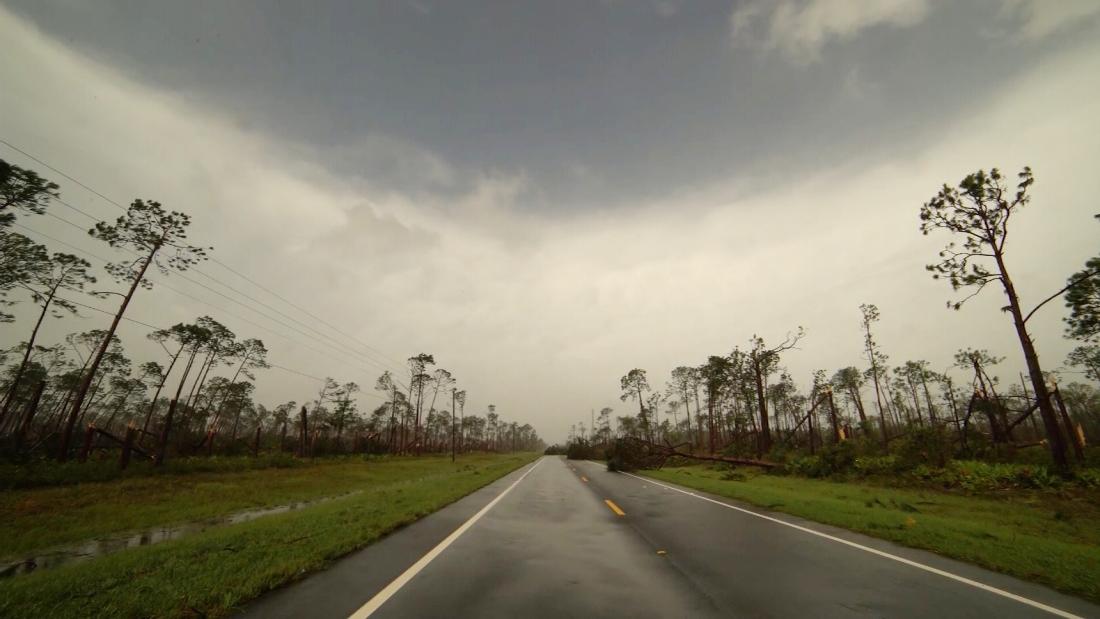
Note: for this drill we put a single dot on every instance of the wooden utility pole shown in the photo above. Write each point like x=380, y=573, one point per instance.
x=453, y=391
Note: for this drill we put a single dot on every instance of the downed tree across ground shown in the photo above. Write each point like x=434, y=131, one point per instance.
x=631, y=453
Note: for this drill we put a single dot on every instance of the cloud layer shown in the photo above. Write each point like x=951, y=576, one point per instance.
x=540, y=313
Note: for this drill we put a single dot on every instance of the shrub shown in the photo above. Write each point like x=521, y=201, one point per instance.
x=839, y=458
x=876, y=465
x=38, y=473
x=928, y=445
x=1089, y=478
x=981, y=476
x=582, y=450
x=805, y=466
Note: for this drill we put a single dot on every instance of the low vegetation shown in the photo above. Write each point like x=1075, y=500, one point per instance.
x=36, y=519
x=213, y=572
x=970, y=461
x=1047, y=536
x=84, y=397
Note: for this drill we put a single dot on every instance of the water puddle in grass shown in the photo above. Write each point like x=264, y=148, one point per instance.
x=90, y=549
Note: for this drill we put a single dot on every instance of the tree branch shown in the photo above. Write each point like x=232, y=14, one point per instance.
x=1071, y=284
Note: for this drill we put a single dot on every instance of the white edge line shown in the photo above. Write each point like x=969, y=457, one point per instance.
x=886, y=555
x=380, y=598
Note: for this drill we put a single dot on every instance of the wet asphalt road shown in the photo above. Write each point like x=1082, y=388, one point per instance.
x=552, y=547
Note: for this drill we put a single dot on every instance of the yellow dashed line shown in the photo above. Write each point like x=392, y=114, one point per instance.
x=614, y=508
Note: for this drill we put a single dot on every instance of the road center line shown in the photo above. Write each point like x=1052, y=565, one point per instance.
x=615, y=508
x=886, y=555
x=380, y=598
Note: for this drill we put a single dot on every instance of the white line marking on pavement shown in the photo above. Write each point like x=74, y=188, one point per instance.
x=886, y=555
x=380, y=598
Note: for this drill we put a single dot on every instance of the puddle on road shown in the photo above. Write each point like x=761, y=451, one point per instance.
x=87, y=550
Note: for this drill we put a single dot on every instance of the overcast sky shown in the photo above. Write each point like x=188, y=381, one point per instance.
x=546, y=195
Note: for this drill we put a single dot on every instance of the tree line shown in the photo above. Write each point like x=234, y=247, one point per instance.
x=747, y=402
x=84, y=394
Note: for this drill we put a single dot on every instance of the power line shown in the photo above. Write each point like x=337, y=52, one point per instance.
x=386, y=360
x=66, y=221
x=300, y=309
x=82, y=212
x=57, y=240
x=343, y=350
x=336, y=344
x=156, y=328
x=349, y=359
x=316, y=378
x=359, y=357
x=109, y=313
x=30, y=156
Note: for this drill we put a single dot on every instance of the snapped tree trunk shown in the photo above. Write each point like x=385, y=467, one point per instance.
x=156, y=395
x=14, y=389
x=86, y=380
x=764, y=441
x=1038, y=382
x=162, y=447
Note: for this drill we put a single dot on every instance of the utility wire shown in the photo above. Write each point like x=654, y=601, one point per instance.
x=30, y=156
x=300, y=309
x=109, y=313
x=156, y=328
x=65, y=221
x=335, y=344
x=387, y=360
x=159, y=282
x=82, y=212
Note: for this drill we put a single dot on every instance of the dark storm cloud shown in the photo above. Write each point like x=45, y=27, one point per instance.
x=596, y=103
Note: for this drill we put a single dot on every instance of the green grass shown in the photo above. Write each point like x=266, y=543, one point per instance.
x=36, y=519
x=1045, y=537
x=215, y=571
x=42, y=472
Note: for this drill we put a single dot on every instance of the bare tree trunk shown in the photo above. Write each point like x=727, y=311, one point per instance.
x=1038, y=382
x=858, y=399
x=162, y=448
x=86, y=380
x=878, y=390
x=163, y=380
x=303, y=434
x=32, y=408
x=1078, y=449
x=928, y=399
x=14, y=388
x=764, y=440
x=832, y=417
x=687, y=410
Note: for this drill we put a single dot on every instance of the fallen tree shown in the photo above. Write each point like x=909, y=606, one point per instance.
x=631, y=453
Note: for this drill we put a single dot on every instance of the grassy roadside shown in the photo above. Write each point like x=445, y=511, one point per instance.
x=212, y=572
x=43, y=517
x=1046, y=538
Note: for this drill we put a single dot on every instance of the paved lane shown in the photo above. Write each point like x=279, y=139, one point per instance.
x=551, y=547
x=755, y=567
